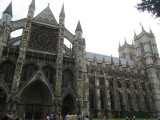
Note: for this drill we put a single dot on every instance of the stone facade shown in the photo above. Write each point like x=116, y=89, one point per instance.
x=39, y=74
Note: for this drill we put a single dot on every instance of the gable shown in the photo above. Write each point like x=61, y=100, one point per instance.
x=46, y=16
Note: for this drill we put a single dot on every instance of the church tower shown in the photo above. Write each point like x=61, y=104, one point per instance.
x=147, y=56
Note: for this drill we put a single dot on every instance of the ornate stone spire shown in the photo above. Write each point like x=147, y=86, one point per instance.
x=62, y=13
x=103, y=60
x=125, y=41
x=8, y=9
x=32, y=5
x=151, y=31
x=79, y=27
x=112, y=60
x=143, y=30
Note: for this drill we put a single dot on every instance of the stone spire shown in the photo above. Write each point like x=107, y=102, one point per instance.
x=8, y=9
x=62, y=13
x=31, y=9
x=79, y=27
x=119, y=44
x=112, y=60
x=135, y=35
x=151, y=31
x=103, y=60
x=125, y=41
x=143, y=30
x=32, y=5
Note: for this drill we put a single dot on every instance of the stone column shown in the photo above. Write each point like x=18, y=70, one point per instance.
x=152, y=76
x=85, y=104
x=59, y=61
x=107, y=98
x=98, y=101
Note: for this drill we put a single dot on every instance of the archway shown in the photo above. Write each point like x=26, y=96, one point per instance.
x=35, y=101
x=68, y=105
x=2, y=102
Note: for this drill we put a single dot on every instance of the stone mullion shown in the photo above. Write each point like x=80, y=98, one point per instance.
x=107, y=96
x=98, y=105
x=21, y=57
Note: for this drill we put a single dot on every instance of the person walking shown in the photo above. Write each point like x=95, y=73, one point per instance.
x=86, y=118
x=68, y=116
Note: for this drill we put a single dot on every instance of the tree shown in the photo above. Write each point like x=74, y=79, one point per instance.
x=152, y=6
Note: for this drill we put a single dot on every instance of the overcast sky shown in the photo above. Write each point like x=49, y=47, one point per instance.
x=105, y=23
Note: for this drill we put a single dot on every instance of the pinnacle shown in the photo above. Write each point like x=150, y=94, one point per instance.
x=9, y=9
x=79, y=27
x=62, y=11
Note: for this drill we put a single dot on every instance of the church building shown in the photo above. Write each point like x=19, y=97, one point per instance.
x=39, y=74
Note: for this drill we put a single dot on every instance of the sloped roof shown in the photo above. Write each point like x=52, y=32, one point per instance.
x=107, y=58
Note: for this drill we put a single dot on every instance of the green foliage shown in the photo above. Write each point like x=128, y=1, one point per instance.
x=152, y=6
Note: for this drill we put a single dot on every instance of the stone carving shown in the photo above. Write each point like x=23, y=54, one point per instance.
x=25, y=34
x=43, y=39
x=39, y=76
x=19, y=66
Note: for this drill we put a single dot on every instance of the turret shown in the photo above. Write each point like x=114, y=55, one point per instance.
x=62, y=16
x=31, y=9
x=78, y=31
x=7, y=15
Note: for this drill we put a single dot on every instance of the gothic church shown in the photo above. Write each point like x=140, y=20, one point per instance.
x=39, y=74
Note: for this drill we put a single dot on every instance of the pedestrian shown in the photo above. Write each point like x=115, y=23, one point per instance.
x=51, y=116
x=59, y=117
x=68, y=116
x=126, y=117
x=47, y=116
x=134, y=117
x=86, y=118
x=79, y=117
x=73, y=116
x=158, y=117
x=104, y=117
x=24, y=116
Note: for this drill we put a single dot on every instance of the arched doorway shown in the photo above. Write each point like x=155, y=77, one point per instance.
x=36, y=100
x=2, y=102
x=68, y=105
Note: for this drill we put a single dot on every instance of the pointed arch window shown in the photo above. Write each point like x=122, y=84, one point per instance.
x=67, y=79
x=91, y=99
x=142, y=48
x=102, y=99
x=28, y=72
x=7, y=72
x=50, y=74
x=112, y=100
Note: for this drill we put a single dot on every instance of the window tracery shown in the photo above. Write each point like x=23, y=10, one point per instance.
x=28, y=72
x=43, y=38
x=7, y=72
x=50, y=74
